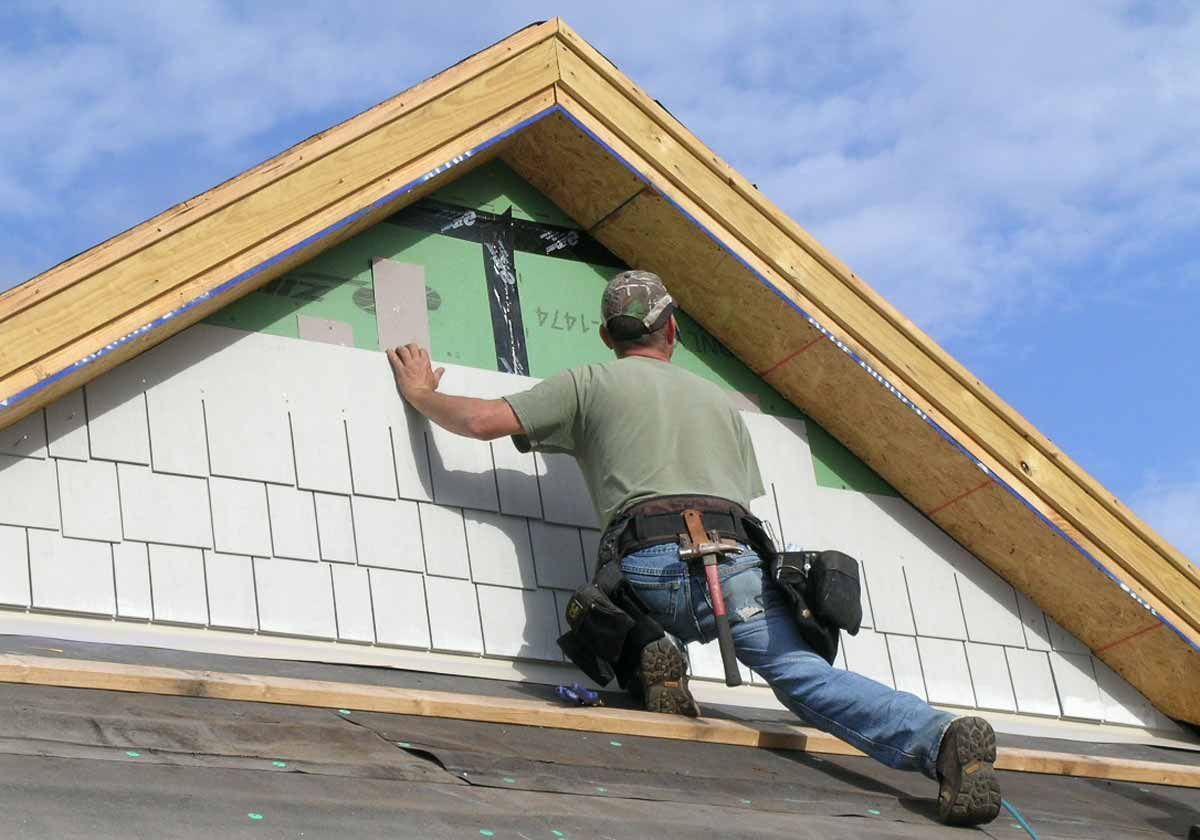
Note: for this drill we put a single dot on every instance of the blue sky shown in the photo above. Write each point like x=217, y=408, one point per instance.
x=1022, y=179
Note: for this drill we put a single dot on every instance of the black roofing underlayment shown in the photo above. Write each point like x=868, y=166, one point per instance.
x=78, y=763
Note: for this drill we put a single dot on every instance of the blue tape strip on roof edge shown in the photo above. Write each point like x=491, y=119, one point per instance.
x=233, y=282
x=450, y=164
x=896, y=392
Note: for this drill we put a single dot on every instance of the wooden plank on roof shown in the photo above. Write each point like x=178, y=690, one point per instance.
x=111, y=676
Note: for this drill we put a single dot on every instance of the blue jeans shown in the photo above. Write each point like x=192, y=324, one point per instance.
x=894, y=727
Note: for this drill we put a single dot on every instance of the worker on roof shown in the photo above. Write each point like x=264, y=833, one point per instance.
x=657, y=444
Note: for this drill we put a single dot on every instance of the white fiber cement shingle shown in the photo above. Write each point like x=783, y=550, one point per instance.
x=88, y=495
x=1033, y=622
x=177, y=584
x=335, y=528
x=906, y=665
x=29, y=488
x=26, y=437
x=372, y=468
x=410, y=449
x=889, y=596
x=239, y=516
x=249, y=434
x=462, y=471
x=400, y=611
x=453, y=615
x=116, y=412
x=519, y=624
x=295, y=598
x=388, y=533
x=161, y=508
x=990, y=606
x=231, y=601
x=175, y=411
x=293, y=523
x=66, y=426
x=445, y=537
x=516, y=479
x=1033, y=684
x=565, y=497
x=947, y=678
x=1075, y=680
x=1122, y=702
x=71, y=575
x=352, y=597
x=989, y=676
x=1063, y=641
x=867, y=654
x=705, y=662
x=935, y=605
x=557, y=555
x=131, y=563
x=500, y=550
x=14, y=567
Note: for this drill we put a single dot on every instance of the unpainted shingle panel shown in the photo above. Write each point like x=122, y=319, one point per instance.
x=557, y=555
x=519, y=624
x=1033, y=622
x=947, y=677
x=889, y=596
x=445, y=539
x=454, y=615
x=176, y=414
x=867, y=654
x=29, y=490
x=14, y=566
x=352, y=597
x=131, y=563
x=231, y=597
x=936, y=609
x=71, y=575
x=1033, y=684
x=989, y=677
x=462, y=471
x=66, y=426
x=565, y=497
x=1075, y=681
x=400, y=609
x=162, y=508
x=906, y=665
x=116, y=414
x=89, y=500
x=335, y=528
x=293, y=523
x=990, y=606
x=26, y=437
x=177, y=584
x=388, y=533
x=295, y=598
x=239, y=516
x=500, y=550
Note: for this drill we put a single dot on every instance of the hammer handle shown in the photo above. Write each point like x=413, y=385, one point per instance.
x=733, y=676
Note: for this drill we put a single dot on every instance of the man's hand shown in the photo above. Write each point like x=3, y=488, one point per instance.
x=413, y=372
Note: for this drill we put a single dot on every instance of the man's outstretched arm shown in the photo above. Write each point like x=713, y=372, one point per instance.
x=418, y=382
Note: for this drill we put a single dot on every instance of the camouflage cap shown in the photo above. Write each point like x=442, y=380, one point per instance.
x=635, y=303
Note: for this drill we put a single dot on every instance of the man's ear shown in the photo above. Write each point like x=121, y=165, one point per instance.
x=605, y=337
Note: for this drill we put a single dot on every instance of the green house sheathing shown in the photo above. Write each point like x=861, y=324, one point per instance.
x=559, y=307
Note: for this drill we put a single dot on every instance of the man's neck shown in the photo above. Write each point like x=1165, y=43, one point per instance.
x=647, y=353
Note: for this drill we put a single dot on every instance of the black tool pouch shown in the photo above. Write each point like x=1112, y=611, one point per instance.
x=823, y=588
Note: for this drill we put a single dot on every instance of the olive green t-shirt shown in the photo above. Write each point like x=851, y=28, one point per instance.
x=640, y=428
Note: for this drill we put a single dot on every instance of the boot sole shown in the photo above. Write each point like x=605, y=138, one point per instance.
x=971, y=794
x=664, y=679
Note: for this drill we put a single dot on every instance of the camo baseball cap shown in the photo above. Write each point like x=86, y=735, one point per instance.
x=635, y=303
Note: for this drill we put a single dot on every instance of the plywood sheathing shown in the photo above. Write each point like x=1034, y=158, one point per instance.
x=752, y=276
x=175, y=259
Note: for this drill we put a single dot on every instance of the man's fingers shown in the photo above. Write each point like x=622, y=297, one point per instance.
x=437, y=377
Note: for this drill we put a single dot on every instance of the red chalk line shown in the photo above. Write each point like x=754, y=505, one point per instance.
x=790, y=356
x=958, y=498
x=1110, y=645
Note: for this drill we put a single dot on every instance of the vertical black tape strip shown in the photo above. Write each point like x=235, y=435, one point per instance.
x=503, y=296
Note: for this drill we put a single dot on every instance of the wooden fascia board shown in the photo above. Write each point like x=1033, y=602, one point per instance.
x=51, y=339
x=909, y=360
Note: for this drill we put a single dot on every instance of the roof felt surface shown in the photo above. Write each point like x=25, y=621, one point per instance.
x=88, y=763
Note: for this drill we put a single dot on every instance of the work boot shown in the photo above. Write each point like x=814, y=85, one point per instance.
x=969, y=792
x=662, y=680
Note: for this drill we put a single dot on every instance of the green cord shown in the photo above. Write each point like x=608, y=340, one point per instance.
x=1017, y=816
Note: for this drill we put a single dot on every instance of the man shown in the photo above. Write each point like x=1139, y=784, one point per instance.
x=645, y=433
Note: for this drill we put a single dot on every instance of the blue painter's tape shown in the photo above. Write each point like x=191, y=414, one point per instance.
x=234, y=282
x=883, y=381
